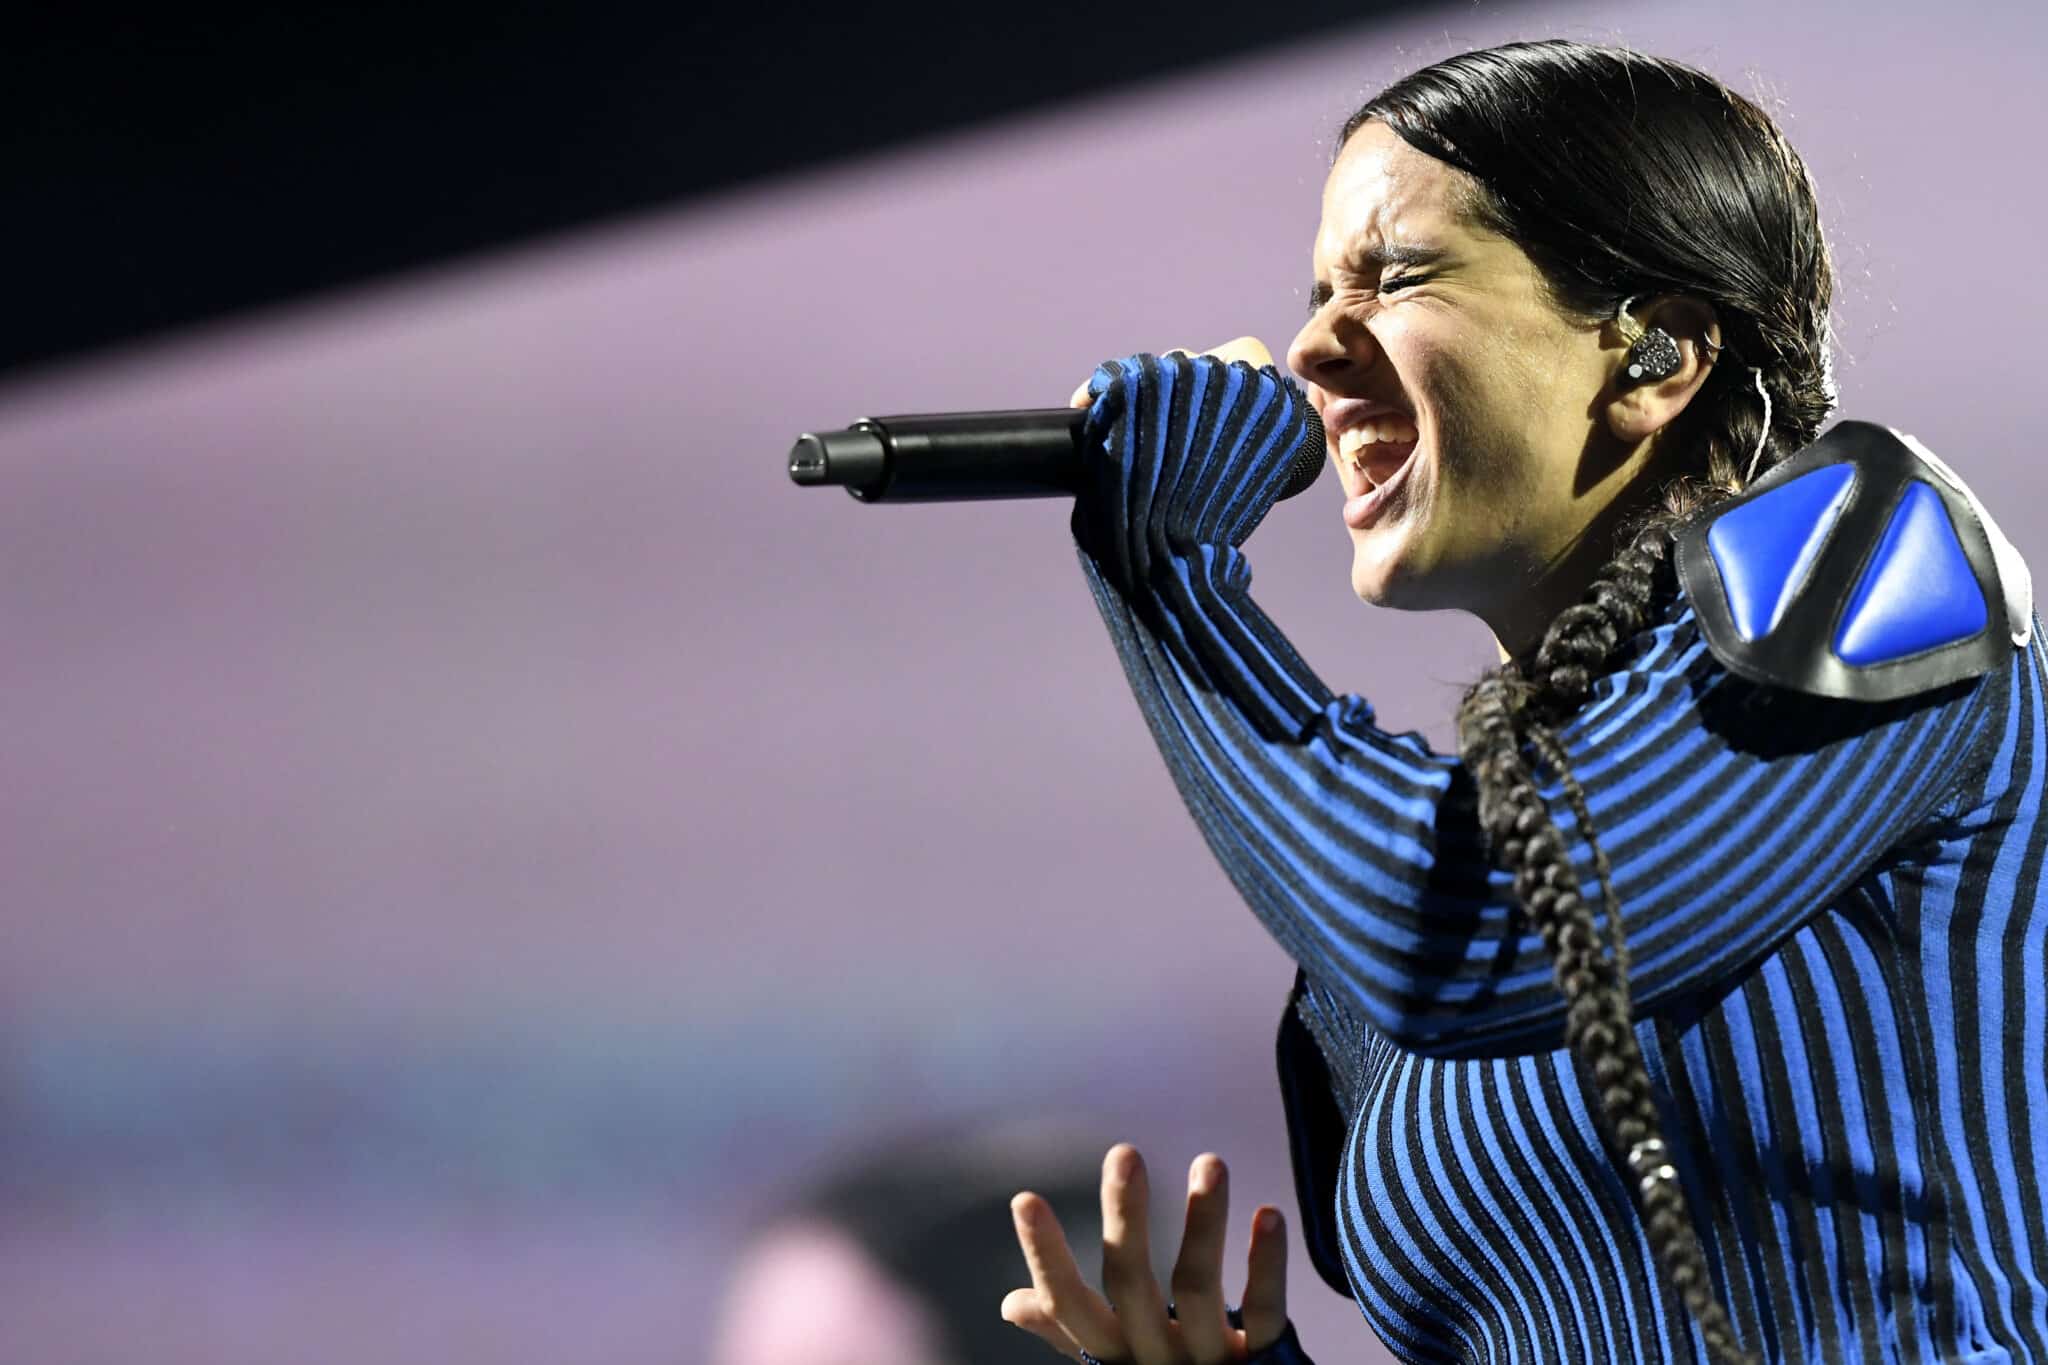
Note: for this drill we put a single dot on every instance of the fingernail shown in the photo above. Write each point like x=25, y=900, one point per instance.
x=1269, y=1221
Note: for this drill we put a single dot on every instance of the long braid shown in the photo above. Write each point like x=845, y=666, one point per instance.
x=1506, y=712
x=1547, y=747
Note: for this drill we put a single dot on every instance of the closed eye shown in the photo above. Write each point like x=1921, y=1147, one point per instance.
x=1323, y=293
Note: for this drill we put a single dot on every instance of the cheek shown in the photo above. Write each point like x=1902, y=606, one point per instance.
x=1462, y=433
x=1486, y=495
x=1485, y=482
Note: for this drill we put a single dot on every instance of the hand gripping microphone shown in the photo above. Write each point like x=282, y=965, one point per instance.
x=956, y=456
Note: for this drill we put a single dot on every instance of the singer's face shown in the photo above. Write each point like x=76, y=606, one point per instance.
x=1488, y=394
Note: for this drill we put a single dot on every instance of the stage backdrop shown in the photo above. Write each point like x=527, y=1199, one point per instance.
x=474, y=832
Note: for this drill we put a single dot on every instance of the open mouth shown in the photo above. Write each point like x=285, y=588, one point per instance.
x=1377, y=449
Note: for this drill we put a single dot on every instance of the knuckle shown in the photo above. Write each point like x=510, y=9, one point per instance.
x=1264, y=1302
x=1119, y=1265
x=1063, y=1300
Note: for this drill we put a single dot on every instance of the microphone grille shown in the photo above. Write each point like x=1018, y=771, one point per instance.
x=1308, y=460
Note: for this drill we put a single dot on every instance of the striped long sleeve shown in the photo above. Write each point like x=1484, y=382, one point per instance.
x=1839, y=937
x=1727, y=817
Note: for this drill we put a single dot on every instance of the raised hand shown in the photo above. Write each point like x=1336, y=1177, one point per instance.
x=1128, y=1322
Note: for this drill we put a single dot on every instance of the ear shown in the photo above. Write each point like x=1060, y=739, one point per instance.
x=1638, y=410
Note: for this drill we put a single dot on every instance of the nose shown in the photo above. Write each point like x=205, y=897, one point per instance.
x=1331, y=351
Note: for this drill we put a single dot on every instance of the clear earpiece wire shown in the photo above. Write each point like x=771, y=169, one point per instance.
x=1758, y=375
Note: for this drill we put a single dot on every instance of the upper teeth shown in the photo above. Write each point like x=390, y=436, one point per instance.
x=1391, y=429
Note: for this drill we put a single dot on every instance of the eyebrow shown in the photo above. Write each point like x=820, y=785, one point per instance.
x=1379, y=258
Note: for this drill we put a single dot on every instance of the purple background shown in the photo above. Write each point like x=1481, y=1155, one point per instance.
x=474, y=832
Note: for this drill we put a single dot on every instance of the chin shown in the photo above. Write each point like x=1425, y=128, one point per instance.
x=1369, y=586
x=1377, y=576
x=1384, y=576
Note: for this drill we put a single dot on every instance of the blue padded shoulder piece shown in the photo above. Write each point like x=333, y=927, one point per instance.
x=1859, y=568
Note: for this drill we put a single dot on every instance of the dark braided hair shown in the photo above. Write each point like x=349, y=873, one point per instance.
x=1625, y=175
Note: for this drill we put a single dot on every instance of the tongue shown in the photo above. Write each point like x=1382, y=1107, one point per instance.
x=1383, y=459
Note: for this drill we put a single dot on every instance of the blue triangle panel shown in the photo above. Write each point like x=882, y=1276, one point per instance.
x=1764, y=548
x=1918, y=590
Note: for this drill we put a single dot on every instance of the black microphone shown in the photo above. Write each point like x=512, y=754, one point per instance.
x=957, y=456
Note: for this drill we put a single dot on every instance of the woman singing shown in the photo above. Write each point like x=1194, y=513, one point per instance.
x=1696, y=1009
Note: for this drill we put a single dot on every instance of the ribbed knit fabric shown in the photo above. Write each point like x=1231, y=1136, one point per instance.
x=1836, y=928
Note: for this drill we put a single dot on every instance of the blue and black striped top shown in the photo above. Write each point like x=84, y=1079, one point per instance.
x=1836, y=927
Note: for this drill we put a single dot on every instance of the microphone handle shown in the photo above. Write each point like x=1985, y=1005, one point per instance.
x=964, y=456
x=948, y=457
